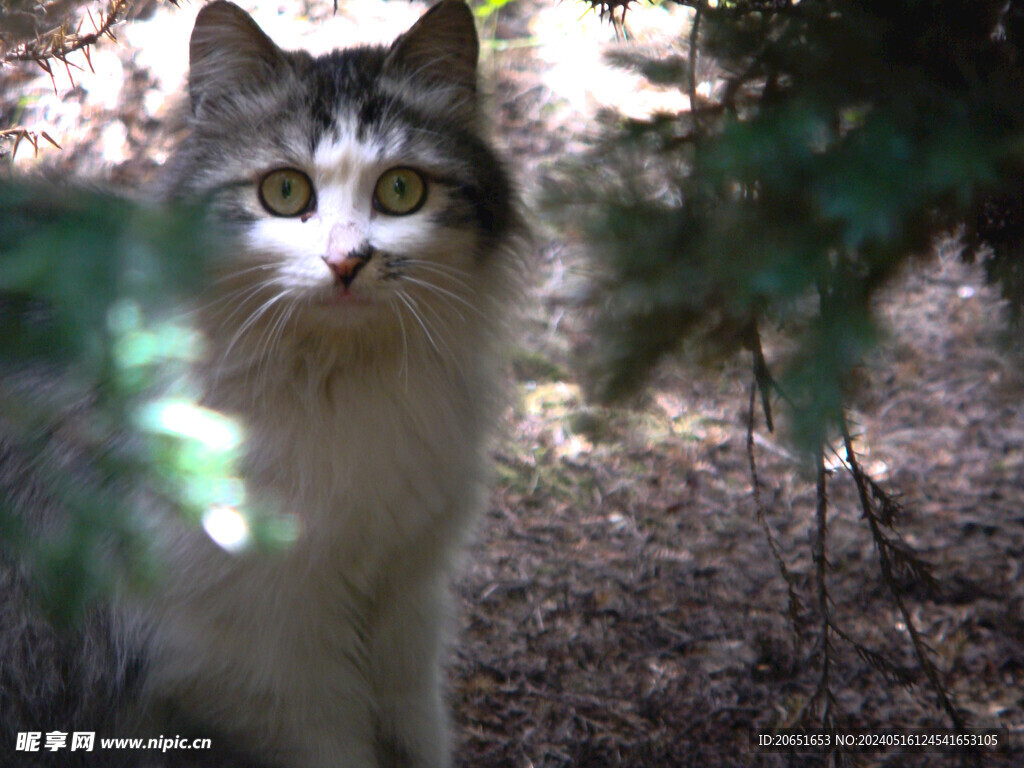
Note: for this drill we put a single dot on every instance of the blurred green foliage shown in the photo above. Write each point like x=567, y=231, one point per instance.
x=97, y=414
x=483, y=9
x=831, y=142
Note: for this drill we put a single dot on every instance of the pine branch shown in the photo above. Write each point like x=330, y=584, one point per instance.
x=824, y=692
x=795, y=603
x=762, y=376
x=887, y=564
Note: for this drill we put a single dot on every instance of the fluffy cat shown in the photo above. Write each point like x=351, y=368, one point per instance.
x=352, y=331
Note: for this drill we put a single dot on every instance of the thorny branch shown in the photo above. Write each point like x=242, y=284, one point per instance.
x=60, y=41
x=20, y=134
x=56, y=43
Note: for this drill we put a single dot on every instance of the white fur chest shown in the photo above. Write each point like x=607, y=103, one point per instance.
x=368, y=460
x=382, y=472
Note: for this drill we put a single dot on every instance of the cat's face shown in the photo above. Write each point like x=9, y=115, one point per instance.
x=357, y=182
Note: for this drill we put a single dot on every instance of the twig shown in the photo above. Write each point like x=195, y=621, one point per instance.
x=823, y=693
x=885, y=562
x=795, y=603
x=762, y=376
x=694, y=31
x=889, y=669
x=59, y=42
x=21, y=134
x=821, y=580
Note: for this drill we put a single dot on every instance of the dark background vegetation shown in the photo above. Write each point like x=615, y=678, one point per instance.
x=822, y=526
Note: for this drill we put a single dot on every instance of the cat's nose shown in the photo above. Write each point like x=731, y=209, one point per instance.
x=346, y=268
x=347, y=252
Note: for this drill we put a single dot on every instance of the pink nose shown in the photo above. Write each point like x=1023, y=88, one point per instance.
x=347, y=252
x=345, y=269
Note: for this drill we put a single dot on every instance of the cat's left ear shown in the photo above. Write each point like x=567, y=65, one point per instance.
x=440, y=49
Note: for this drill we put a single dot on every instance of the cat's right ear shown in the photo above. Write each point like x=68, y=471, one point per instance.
x=228, y=54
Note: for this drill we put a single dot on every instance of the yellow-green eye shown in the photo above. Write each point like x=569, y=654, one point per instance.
x=286, y=192
x=399, y=191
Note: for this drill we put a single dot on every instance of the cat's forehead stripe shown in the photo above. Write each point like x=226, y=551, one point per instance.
x=344, y=77
x=344, y=151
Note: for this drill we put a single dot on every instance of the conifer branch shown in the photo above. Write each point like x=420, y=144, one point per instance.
x=795, y=603
x=889, y=558
x=820, y=555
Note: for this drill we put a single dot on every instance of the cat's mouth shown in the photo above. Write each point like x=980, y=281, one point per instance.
x=345, y=296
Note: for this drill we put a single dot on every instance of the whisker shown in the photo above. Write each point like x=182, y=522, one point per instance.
x=447, y=271
x=250, y=321
x=237, y=273
x=411, y=304
x=221, y=299
x=437, y=326
x=435, y=288
x=273, y=335
x=403, y=372
x=237, y=298
x=281, y=313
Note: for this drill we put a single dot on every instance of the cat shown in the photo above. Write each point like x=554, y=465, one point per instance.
x=352, y=330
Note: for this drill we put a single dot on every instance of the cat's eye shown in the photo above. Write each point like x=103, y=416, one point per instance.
x=286, y=192
x=399, y=191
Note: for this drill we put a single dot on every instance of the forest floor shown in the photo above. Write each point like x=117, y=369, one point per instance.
x=622, y=604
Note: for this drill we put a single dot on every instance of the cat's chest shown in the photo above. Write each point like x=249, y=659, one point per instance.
x=361, y=457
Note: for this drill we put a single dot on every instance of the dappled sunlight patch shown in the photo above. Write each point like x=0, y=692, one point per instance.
x=573, y=42
x=228, y=528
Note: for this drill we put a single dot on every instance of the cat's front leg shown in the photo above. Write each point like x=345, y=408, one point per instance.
x=413, y=727
x=333, y=737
